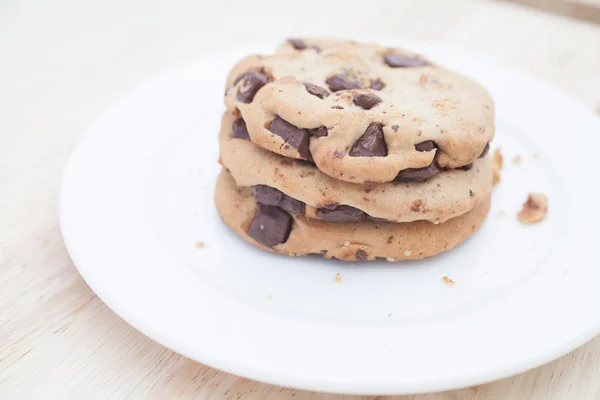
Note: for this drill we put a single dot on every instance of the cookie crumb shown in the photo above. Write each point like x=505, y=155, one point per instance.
x=407, y=253
x=448, y=281
x=270, y=297
x=337, y=278
x=516, y=160
x=497, y=166
x=389, y=315
x=199, y=244
x=471, y=193
x=346, y=243
x=390, y=259
x=501, y=213
x=534, y=209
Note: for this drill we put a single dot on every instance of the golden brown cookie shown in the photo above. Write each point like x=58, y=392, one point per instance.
x=363, y=113
x=274, y=229
x=445, y=196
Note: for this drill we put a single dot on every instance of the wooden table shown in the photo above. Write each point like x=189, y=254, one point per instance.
x=62, y=63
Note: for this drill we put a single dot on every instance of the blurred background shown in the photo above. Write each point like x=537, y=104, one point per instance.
x=63, y=62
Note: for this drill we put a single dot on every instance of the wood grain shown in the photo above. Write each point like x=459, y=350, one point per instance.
x=63, y=62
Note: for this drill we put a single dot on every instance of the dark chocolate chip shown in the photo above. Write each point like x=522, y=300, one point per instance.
x=425, y=146
x=377, y=84
x=336, y=107
x=297, y=43
x=267, y=195
x=466, y=167
x=403, y=61
x=485, y=150
x=270, y=196
x=316, y=90
x=239, y=130
x=366, y=100
x=395, y=128
x=371, y=143
x=417, y=174
x=319, y=132
x=294, y=136
x=341, y=82
x=341, y=214
x=316, y=48
x=271, y=226
x=252, y=81
x=361, y=255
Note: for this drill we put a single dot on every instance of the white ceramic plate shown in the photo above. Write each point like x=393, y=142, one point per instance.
x=138, y=194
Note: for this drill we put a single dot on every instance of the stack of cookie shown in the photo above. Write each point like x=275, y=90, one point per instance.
x=353, y=151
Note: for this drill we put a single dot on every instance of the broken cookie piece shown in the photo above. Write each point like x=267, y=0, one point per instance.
x=534, y=209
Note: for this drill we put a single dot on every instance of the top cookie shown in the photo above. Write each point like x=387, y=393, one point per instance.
x=362, y=113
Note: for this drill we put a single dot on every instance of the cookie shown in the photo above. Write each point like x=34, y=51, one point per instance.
x=445, y=196
x=274, y=229
x=362, y=113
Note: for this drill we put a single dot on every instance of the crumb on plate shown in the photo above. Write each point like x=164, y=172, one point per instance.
x=448, y=281
x=534, y=209
x=516, y=160
x=337, y=278
x=199, y=244
x=497, y=166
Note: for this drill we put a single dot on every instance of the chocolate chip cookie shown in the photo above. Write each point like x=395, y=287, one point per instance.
x=361, y=113
x=447, y=195
x=272, y=227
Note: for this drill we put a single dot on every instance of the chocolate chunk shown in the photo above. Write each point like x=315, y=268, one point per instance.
x=239, y=130
x=403, y=61
x=341, y=82
x=395, y=128
x=417, y=174
x=485, y=150
x=316, y=90
x=341, y=214
x=316, y=48
x=425, y=146
x=377, y=84
x=294, y=136
x=371, y=143
x=271, y=225
x=336, y=107
x=270, y=196
x=366, y=100
x=251, y=82
x=297, y=43
x=319, y=132
x=361, y=255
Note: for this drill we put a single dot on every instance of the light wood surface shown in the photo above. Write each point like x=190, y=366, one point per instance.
x=63, y=62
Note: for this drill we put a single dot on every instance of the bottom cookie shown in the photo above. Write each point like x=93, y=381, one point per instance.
x=273, y=229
